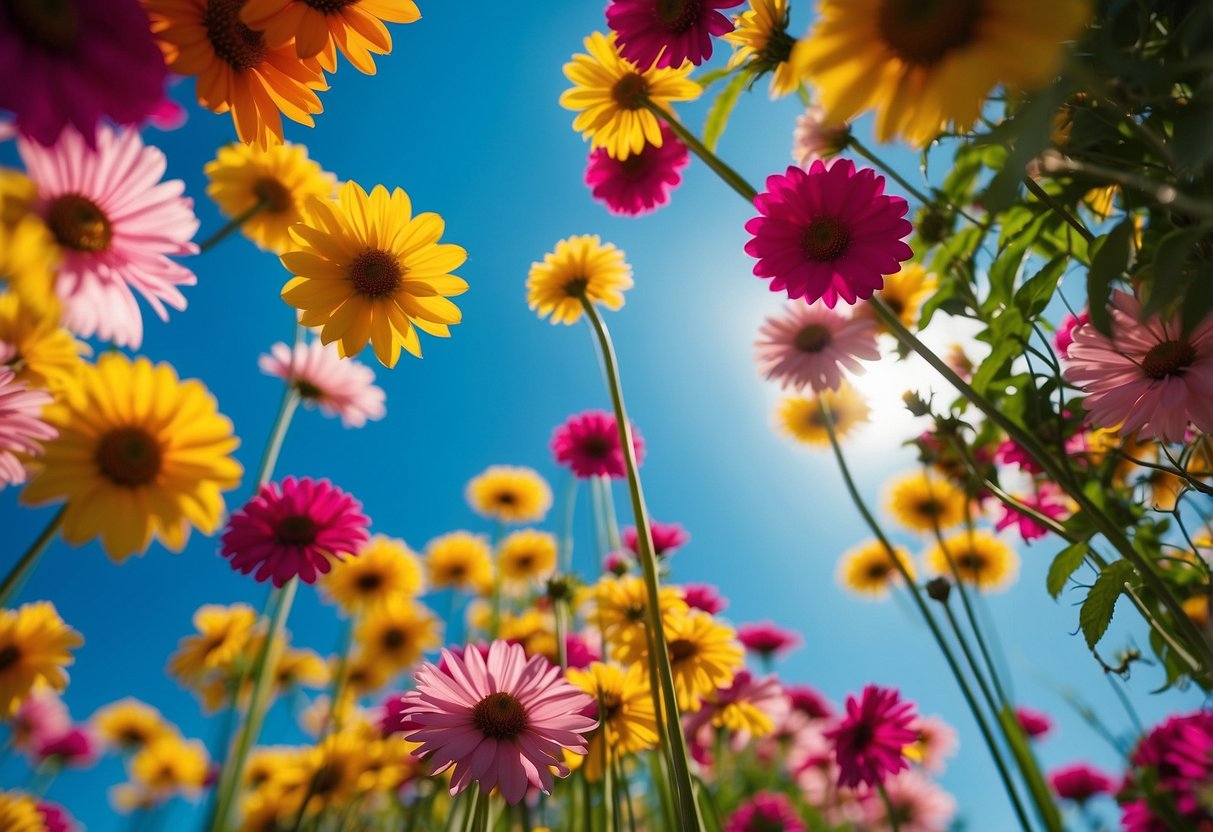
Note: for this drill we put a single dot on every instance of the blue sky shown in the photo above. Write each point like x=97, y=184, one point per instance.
x=464, y=116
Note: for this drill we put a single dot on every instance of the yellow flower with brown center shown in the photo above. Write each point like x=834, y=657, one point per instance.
x=535, y=630
x=396, y=632
x=923, y=503
x=329, y=772
x=621, y=611
x=869, y=570
x=579, y=267
x=35, y=646
x=906, y=292
x=384, y=568
x=300, y=668
x=387, y=764
x=129, y=724
x=800, y=417
x=527, y=555
x=224, y=634
x=459, y=560
x=19, y=813
x=366, y=269
x=762, y=43
x=364, y=675
x=40, y=353
x=704, y=655
x=317, y=28
x=170, y=765
x=510, y=494
x=626, y=720
x=979, y=558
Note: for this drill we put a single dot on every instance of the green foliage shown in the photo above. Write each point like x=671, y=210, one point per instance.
x=1100, y=604
x=1064, y=565
x=722, y=108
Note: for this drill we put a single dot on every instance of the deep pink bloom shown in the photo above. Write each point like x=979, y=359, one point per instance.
x=667, y=33
x=1147, y=378
x=504, y=721
x=1036, y=724
x=76, y=747
x=294, y=529
x=765, y=812
x=1136, y=816
x=338, y=386
x=809, y=701
x=869, y=740
x=810, y=346
x=766, y=639
x=1080, y=782
x=1048, y=499
x=828, y=233
x=392, y=719
x=1010, y=452
x=117, y=225
x=21, y=425
x=41, y=717
x=1065, y=332
x=579, y=652
x=56, y=819
x=918, y=804
x=937, y=741
x=78, y=62
x=589, y=445
x=704, y=597
x=667, y=538
x=640, y=183
x=617, y=563
x=1180, y=751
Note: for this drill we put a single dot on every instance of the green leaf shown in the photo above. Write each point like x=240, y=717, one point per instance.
x=1171, y=272
x=1036, y=292
x=1097, y=609
x=1064, y=565
x=1028, y=134
x=722, y=108
x=1109, y=263
x=712, y=76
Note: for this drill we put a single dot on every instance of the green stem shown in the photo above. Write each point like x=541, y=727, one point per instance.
x=273, y=446
x=892, y=173
x=612, y=519
x=566, y=531
x=24, y=567
x=889, y=812
x=562, y=647
x=232, y=225
x=1058, y=209
x=731, y=177
x=332, y=719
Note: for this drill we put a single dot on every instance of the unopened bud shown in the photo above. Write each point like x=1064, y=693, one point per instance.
x=939, y=589
x=915, y=403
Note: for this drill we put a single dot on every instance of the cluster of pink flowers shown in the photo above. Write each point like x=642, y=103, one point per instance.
x=1172, y=772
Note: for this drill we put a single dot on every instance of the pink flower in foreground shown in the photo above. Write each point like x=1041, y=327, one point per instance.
x=294, y=529
x=41, y=717
x=765, y=812
x=918, y=804
x=1048, y=500
x=117, y=225
x=76, y=748
x=338, y=386
x=1147, y=378
x=704, y=597
x=667, y=538
x=1080, y=782
x=666, y=33
x=870, y=740
x=589, y=445
x=1180, y=751
x=815, y=140
x=937, y=741
x=810, y=346
x=21, y=425
x=1010, y=452
x=640, y=183
x=56, y=819
x=766, y=639
x=504, y=721
x=1065, y=332
x=828, y=233
x=1036, y=724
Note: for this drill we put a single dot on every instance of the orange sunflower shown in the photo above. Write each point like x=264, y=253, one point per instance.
x=319, y=28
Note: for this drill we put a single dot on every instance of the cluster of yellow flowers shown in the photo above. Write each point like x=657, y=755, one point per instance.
x=160, y=763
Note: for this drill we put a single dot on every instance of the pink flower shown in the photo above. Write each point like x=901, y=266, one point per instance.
x=1010, y=452
x=869, y=741
x=666, y=33
x=21, y=425
x=76, y=747
x=617, y=563
x=1080, y=782
x=918, y=804
x=579, y=652
x=1065, y=332
x=56, y=819
x=1048, y=500
x=294, y=529
x=1180, y=752
x=765, y=812
x=589, y=445
x=810, y=346
x=936, y=742
x=1148, y=378
x=764, y=695
x=338, y=386
x=640, y=183
x=667, y=538
x=809, y=701
x=116, y=225
x=814, y=140
x=828, y=233
x=77, y=62
x=704, y=597
x=505, y=721
x=41, y=717
x=1036, y=724
x=766, y=639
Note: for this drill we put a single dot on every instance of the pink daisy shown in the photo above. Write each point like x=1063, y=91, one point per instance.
x=56, y=819
x=667, y=538
x=41, y=717
x=1147, y=378
x=810, y=346
x=937, y=741
x=869, y=741
x=767, y=640
x=21, y=425
x=1036, y=724
x=640, y=183
x=339, y=387
x=617, y=563
x=667, y=33
x=704, y=597
x=809, y=701
x=294, y=529
x=504, y=721
x=76, y=748
x=116, y=225
x=1065, y=332
x=765, y=812
x=589, y=445
x=1048, y=500
x=813, y=140
x=78, y=61
x=918, y=804
x=828, y=233
x=1080, y=782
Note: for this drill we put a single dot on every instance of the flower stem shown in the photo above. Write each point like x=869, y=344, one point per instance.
x=889, y=812
x=892, y=173
x=566, y=530
x=273, y=446
x=24, y=567
x=234, y=224
x=731, y=177
x=1059, y=209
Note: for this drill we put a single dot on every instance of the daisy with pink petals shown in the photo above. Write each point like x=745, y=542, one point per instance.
x=870, y=740
x=294, y=529
x=1148, y=378
x=339, y=387
x=765, y=812
x=827, y=233
x=21, y=425
x=667, y=33
x=937, y=741
x=56, y=819
x=642, y=182
x=704, y=597
x=1065, y=332
x=588, y=444
x=815, y=140
x=767, y=640
x=503, y=721
x=116, y=225
x=811, y=346
x=667, y=538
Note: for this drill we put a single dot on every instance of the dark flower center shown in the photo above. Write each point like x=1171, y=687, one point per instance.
x=575, y=287
x=369, y=581
x=273, y=195
x=861, y=736
x=523, y=561
x=598, y=447
x=52, y=24
x=375, y=274
x=635, y=166
x=813, y=338
x=631, y=91
x=1168, y=359
x=394, y=638
x=826, y=238
x=777, y=50
x=635, y=612
x=682, y=649
x=970, y=562
x=456, y=571
x=923, y=32
x=236, y=44
x=609, y=705
x=131, y=736
x=329, y=6
x=506, y=498
x=327, y=778
x=895, y=303
x=295, y=530
x=79, y=224
x=500, y=716
x=129, y=457
x=10, y=654
x=877, y=571
x=929, y=507
x=678, y=15
x=307, y=390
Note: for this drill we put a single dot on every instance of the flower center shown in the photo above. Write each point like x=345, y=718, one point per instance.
x=500, y=716
x=369, y=581
x=375, y=274
x=132, y=735
x=598, y=447
x=636, y=165
x=826, y=238
x=236, y=44
x=295, y=530
x=456, y=571
x=129, y=457
x=609, y=705
x=777, y=49
x=895, y=303
x=10, y=654
x=575, y=287
x=307, y=390
x=877, y=571
x=929, y=507
x=329, y=6
x=273, y=195
x=923, y=32
x=523, y=561
x=52, y=24
x=1169, y=358
x=506, y=498
x=631, y=91
x=682, y=649
x=79, y=224
x=327, y=778
x=813, y=338
x=394, y=638
x=678, y=15
x=970, y=562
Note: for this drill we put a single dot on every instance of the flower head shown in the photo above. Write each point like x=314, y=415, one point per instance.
x=223, y=635
x=923, y=503
x=810, y=346
x=170, y=765
x=1048, y=500
x=704, y=655
x=667, y=538
x=768, y=640
x=588, y=443
x=978, y=558
x=800, y=417
x=762, y=43
x=42, y=714
x=704, y=597
x=870, y=570
x=510, y=494
x=906, y=291
x=765, y=812
x=870, y=739
x=21, y=426
x=1065, y=331
x=1080, y=782
x=319, y=29
x=74, y=748
x=35, y=645
x=461, y=560
x=396, y=632
x=527, y=555
x=29, y=255
x=937, y=740
x=323, y=379
x=129, y=724
x=579, y=267
x=814, y=140
x=19, y=812
x=642, y=182
x=36, y=349
x=56, y=819
x=668, y=33
x=384, y=568
x=621, y=609
x=1036, y=724
x=918, y=804
x=623, y=704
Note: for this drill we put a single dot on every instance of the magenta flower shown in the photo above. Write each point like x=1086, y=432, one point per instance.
x=21, y=425
x=1048, y=499
x=1080, y=782
x=505, y=721
x=810, y=346
x=1180, y=752
x=78, y=62
x=765, y=812
x=643, y=181
x=1036, y=724
x=667, y=538
x=589, y=445
x=667, y=33
x=809, y=701
x=704, y=597
x=870, y=739
x=918, y=804
x=1147, y=378
x=338, y=386
x=828, y=233
x=294, y=529
x=41, y=717
x=1010, y=452
x=580, y=652
x=56, y=819
x=767, y=640
x=117, y=225
x=75, y=748
x=617, y=563
x=1065, y=332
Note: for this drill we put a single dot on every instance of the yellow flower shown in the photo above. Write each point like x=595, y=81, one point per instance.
x=621, y=609
x=279, y=178
x=223, y=635
x=128, y=798
x=268, y=810
x=329, y=772
x=761, y=38
x=510, y=494
x=527, y=555
x=300, y=668
x=140, y=454
x=35, y=646
x=264, y=765
x=980, y=559
x=363, y=676
x=868, y=569
x=170, y=765
x=800, y=416
x=905, y=292
x=129, y=724
x=460, y=560
x=41, y=353
x=318, y=29
x=579, y=266
x=923, y=503
x=609, y=95
x=396, y=632
x=388, y=764
x=704, y=655
x=627, y=723
x=534, y=630
x=19, y=813
x=366, y=270
x=28, y=257
x=924, y=67
x=1101, y=201
x=384, y=568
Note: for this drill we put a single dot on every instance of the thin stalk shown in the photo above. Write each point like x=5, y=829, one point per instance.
x=621, y=778
x=332, y=719
x=612, y=519
x=24, y=567
x=562, y=646
x=610, y=819
x=1058, y=209
x=889, y=812
x=731, y=177
x=892, y=173
x=232, y=225
x=566, y=530
x=273, y=446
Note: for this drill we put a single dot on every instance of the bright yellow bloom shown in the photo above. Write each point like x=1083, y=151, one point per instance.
x=364, y=675
x=527, y=555
x=627, y=723
x=384, y=568
x=129, y=724
x=510, y=494
x=868, y=569
x=224, y=633
x=924, y=503
x=1101, y=201
x=925, y=67
x=280, y=178
x=318, y=29
x=396, y=632
x=367, y=270
x=800, y=416
x=609, y=95
x=330, y=771
x=704, y=655
x=387, y=764
x=35, y=646
x=170, y=765
x=265, y=763
x=19, y=813
x=621, y=609
x=534, y=630
x=761, y=39
x=140, y=454
x=42, y=354
x=28, y=256
x=267, y=810
x=906, y=291
x=579, y=266
x=300, y=668
x=460, y=560
x=979, y=557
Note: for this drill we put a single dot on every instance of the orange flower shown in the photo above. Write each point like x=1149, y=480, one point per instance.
x=318, y=28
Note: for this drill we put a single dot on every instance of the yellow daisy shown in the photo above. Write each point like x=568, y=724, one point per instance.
x=906, y=291
x=527, y=555
x=28, y=256
x=318, y=28
x=300, y=668
x=579, y=266
x=41, y=353
x=621, y=611
x=510, y=494
x=170, y=765
x=19, y=813
x=800, y=416
x=35, y=646
x=329, y=772
x=704, y=655
x=609, y=95
x=129, y=724
x=366, y=269
x=224, y=634
x=396, y=633
x=925, y=67
x=533, y=629
x=363, y=677
x=460, y=560
x=626, y=720
x=868, y=569
x=762, y=42
x=388, y=763
x=384, y=568
x=980, y=559
x=923, y=503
